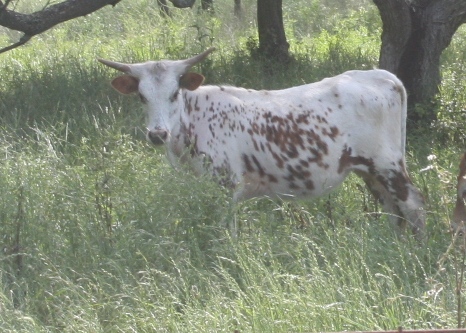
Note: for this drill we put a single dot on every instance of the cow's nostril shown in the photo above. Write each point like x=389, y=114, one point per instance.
x=163, y=135
x=157, y=137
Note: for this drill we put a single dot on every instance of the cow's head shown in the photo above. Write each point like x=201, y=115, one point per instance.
x=158, y=84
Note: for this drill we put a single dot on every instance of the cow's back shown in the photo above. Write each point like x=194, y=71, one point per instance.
x=372, y=109
x=290, y=141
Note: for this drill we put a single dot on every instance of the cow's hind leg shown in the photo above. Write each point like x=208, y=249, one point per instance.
x=398, y=195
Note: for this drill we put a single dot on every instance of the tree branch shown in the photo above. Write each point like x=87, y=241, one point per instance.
x=3, y=6
x=456, y=12
x=40, y=21
x=23, y=40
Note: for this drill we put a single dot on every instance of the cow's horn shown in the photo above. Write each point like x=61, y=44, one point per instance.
x=197, y=59
x=116, y=65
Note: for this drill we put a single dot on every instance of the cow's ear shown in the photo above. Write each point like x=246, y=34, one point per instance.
x=125, y=84
x=191, y=81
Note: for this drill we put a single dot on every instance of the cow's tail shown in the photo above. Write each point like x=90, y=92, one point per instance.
x=403, y=115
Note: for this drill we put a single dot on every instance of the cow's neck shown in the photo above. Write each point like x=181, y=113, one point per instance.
x=188, y=112
x=182, y=140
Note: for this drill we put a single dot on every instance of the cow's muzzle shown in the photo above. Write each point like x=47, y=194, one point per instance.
x=157, y=137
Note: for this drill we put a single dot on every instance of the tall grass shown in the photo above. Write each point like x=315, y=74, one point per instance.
x=99, y=233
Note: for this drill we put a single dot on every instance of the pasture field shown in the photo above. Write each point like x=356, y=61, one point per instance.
x=99, y=234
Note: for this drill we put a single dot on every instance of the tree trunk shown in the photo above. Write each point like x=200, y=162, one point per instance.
x=182, y=3
x=163, y=6
x=207, y=5
x=238, y=10
x=272, y=39
x=414, y=36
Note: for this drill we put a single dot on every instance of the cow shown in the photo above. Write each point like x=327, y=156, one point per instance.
x=293, y=143
x=459, y=213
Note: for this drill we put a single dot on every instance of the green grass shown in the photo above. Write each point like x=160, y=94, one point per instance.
x=99, y=234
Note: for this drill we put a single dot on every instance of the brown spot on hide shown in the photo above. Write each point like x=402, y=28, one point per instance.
x=304, y=163
x=292, y=152
x=332, y=134
x=296, y=173
x=346, y=161
x=400, y=183
x=278, y=159
x=189, y=106
x=309, y=184
x=258, y=166
x=398, y=89
x=256, y=146
x=247, y=163
x=262, y=147
x=211, y=130
x=272, y=179
x=255, y=128
x=302, y=118
x=315, y=140
x=321, y=119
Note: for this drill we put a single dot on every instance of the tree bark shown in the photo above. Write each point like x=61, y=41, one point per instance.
x=272, y=40
x=38, y=22
x=207, y=5
x=415, y=33
x=165, y=10
x=238, y=10
x=183, y=3
x=163, y=6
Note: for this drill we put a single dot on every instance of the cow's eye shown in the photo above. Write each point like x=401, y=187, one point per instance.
x=142, y=98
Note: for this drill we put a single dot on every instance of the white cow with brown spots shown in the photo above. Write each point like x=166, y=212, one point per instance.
x=292, y=143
